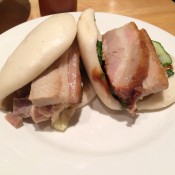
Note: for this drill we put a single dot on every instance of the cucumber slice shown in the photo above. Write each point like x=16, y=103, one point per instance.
x=162, y=54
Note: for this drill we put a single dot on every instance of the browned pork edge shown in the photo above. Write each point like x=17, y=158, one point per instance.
x=126, y=61
x=157, y=79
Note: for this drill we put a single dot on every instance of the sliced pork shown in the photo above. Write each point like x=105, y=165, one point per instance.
x=126, y=61
x=60, y=83
x=22, y=107
x=16, y=121
x=157, y=79
x=56, y=89
x=40, y=114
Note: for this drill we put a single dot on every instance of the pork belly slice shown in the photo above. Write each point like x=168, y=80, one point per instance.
x=157, y=79
x=40, y=114
x=126, y=61
x=22, y=107
x=16, y=121
x=74, y=76
x=60, y=83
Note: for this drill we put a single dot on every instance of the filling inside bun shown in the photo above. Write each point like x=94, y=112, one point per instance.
x=41, y=79
x=129, y=65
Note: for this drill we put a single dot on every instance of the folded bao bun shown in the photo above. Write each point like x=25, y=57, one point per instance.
x=88, y=35
x=41, y=47
x=37, y=65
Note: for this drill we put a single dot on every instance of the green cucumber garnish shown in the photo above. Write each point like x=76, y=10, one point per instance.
x=164, y=58
x=162, y=54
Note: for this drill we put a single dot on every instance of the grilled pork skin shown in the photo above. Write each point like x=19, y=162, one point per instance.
x=126, y=60
x=157, y=79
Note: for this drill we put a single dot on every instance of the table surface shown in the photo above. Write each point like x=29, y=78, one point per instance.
x=157, y=12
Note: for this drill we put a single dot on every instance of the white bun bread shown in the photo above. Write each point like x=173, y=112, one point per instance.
x=40, y=48
x=87, y=37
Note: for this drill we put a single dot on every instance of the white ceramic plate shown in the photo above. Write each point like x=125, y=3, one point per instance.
x=102, y=142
